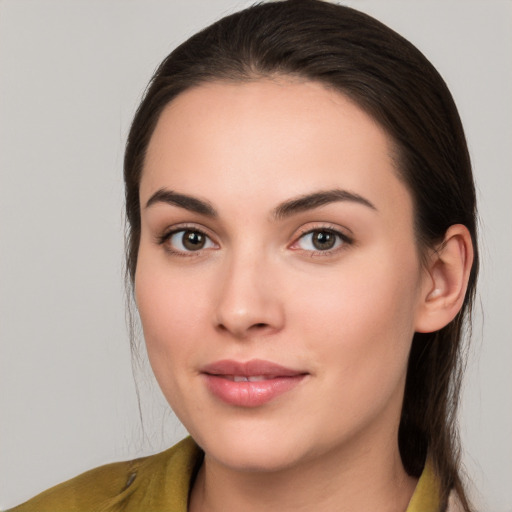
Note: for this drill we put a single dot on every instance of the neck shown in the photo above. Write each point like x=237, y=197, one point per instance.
x=355, y=480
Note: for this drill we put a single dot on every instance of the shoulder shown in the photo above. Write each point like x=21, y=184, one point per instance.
x=84, y=492
x=427, y=495
x=124, y=485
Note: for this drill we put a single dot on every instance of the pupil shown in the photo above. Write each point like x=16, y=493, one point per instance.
x=193, y=240
x=323, y=240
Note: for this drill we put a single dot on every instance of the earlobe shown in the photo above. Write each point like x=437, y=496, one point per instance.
x=446, y=279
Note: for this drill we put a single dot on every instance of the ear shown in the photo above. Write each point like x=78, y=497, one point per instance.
x=445, y=281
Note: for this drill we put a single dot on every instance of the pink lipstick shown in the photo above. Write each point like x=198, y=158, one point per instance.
x=249, y=384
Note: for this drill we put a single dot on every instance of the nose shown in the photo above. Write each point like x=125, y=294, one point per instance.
x=249, y=302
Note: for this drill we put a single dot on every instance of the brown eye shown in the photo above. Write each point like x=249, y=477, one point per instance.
x=321, y=240
x=193, y=240
x=189, y=240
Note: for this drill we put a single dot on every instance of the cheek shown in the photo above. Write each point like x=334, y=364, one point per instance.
x=362, y=319
x=172, y=313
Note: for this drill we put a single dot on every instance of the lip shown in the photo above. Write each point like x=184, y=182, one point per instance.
x=271, y=381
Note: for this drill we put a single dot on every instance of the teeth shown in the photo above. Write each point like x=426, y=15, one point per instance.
x=252, y=378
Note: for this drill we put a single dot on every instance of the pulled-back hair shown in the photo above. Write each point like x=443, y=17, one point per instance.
x=393, y=82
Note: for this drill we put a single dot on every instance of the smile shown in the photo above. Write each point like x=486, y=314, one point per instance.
x=250, y=384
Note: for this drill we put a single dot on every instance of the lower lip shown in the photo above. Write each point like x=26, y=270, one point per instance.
x=250, y=394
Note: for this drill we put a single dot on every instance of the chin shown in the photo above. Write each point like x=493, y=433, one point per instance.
x=255, y=458
x=253, y=449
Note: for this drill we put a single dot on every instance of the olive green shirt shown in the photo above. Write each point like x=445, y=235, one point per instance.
x=161, y=483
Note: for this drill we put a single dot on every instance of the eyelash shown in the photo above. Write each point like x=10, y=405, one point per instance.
x=165, y=237
x=343, y=241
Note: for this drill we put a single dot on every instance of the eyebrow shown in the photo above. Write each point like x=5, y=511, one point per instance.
x=282, y=211
x=183, y=201
x=317, y=199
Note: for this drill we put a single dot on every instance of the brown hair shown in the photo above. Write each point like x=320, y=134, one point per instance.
x=393, y=82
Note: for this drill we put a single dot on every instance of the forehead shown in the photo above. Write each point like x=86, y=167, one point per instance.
x=276, y=138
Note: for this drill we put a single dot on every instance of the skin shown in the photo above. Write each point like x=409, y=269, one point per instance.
x=345, y=317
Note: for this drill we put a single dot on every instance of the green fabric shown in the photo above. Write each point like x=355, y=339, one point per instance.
x=161, y=483
x=426, y=497
x=152, y=484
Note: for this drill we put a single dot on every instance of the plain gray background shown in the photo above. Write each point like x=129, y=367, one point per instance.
x=71, y=75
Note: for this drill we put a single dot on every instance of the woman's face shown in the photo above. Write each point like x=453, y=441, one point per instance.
x=278, y=280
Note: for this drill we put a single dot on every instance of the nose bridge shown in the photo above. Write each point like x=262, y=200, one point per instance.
x=248, y=301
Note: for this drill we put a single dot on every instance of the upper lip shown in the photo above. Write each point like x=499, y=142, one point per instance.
x=252, y=368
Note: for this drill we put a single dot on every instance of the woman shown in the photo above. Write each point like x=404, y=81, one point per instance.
x=302, y=246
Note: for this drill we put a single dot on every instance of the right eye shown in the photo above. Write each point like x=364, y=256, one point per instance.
x=188, y=240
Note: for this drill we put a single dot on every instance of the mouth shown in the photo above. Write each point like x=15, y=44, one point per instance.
x=250, y=384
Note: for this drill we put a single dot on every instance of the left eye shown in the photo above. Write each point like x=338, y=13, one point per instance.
x=320, y=240
x=188, y=240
